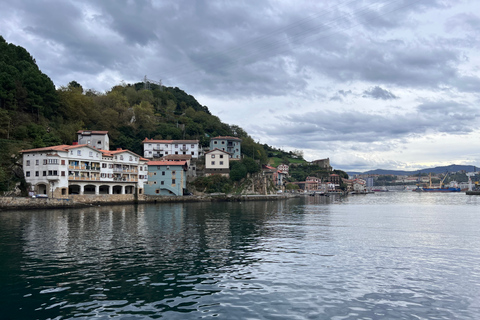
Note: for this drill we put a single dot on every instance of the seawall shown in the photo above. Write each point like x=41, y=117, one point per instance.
x=15, y=203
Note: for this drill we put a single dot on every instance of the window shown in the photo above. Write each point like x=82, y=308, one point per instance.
x=158, y=167
x=173, y=171
x=44, y=173
x=28, y=162
x=121, y=157
x=176, y=146
x=27, y=174
x=37, y=162
x=223, y=142
x=79, y=152
x=173, y=181
x=213, y=156
x=162, y=182
x=131, y=158
x=63, y=162
x=44, y=161
x=141, y=168
x=221, y=156
x=166, y=152
x=214, y=142
x=163, y=173
x=193, y=153
x=37, y=173
x=99, y=142
x=91, y=154
x=63, y=173
x=104, y=165
x=176, y=152
x=213, y=163
x=192, y=146
x=154, y=182
x=221, y=163
x=157, y=191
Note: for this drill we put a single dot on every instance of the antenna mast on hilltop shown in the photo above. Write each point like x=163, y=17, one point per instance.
x=146, y=83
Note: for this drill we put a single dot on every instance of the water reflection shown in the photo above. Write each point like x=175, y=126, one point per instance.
x=314, y=257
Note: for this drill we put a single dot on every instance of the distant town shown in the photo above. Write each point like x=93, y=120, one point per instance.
x=88, y=167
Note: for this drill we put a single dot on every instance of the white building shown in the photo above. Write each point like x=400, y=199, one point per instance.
x=60, y=171
x=217, y=162
x=160, y=148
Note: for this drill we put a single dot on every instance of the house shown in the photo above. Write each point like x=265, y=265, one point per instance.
x=270, y=173
x=192, y=168
x=228, y=144
x=335, y=179
x=282, y=174
x=160, y=148
x=166, y=178
x=63, y=170
x=217, y=161
x=94, y=139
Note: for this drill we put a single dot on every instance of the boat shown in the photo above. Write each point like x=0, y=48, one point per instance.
x=441, y=188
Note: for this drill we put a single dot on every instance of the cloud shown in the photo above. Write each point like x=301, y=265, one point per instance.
x=379, y=93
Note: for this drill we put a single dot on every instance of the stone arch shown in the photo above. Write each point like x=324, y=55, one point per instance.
x=41, y=188
x=89, y=189
x=117, y=189
x=74, y=189
x=104, y=189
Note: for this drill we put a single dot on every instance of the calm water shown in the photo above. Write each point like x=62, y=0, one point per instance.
x=379, y=256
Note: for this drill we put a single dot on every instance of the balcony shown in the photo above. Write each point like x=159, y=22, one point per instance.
x=83, y=178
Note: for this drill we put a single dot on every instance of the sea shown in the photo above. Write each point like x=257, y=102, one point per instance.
x=389, y=255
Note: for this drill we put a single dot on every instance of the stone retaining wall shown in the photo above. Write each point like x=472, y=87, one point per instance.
x=10, y=203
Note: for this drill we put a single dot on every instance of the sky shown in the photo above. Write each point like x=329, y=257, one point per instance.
x=390, y=84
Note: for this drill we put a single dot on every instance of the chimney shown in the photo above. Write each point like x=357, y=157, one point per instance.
x=118, y=149
x=75, y=143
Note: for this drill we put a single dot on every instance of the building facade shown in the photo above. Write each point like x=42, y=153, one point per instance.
x=160, y=148
x=217, y=161
x=94, y=139
x=166, y=178
x=232, y=145
x=60, y=171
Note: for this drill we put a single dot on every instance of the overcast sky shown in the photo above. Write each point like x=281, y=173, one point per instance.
x=391, y=84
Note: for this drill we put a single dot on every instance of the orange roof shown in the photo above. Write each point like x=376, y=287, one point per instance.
x=167, y=163
x=169, y=141
x=62, y=147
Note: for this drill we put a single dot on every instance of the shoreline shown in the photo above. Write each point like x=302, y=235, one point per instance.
x=26, y=203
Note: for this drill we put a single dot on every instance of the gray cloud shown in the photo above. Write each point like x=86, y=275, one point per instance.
x=309, y=54
x=379, y=93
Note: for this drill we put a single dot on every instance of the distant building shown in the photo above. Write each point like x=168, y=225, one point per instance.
x=217, y=161
x=63, y=170
x=232, y=145
x=323, y=163
x=94, y=139
x=161, y=148
x=166, y=178
x=192, y=169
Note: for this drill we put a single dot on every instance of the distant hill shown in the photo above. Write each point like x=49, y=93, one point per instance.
x=451, y=168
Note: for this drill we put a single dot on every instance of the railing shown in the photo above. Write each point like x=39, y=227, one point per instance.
x=84, y=168
x=84, y=178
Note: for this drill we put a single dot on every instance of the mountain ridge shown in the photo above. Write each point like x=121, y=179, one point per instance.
x=436, y=170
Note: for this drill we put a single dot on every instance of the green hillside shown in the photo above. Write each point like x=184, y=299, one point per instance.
x=33, y=113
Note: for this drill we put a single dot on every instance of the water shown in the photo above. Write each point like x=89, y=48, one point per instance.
x=380, y=256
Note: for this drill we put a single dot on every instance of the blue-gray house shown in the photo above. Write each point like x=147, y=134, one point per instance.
x=166, y=178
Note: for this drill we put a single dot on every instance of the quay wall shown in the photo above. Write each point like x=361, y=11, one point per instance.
x=12, y=203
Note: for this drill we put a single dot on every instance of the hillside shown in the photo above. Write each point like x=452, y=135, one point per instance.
x=33, y=113
x=435, y=170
